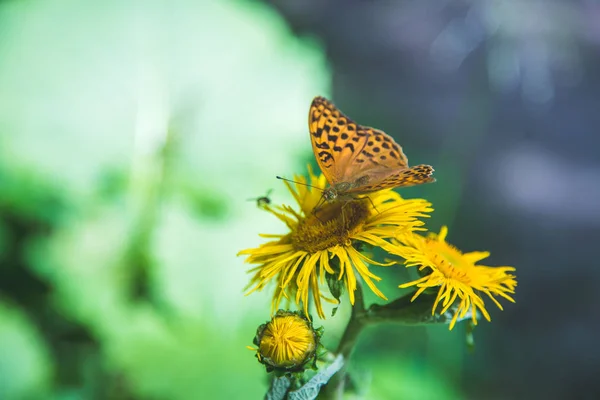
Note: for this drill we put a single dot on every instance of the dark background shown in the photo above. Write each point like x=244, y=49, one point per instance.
x=502, y=98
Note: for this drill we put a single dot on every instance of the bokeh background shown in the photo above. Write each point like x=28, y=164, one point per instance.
x=133, y=133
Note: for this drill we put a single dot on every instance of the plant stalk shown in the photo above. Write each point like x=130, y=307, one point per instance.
x=358, y=320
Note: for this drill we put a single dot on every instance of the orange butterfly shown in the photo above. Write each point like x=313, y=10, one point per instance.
x=357, y=159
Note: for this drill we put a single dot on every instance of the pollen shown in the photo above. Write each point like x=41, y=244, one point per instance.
x=334, y=224
x=447, y=258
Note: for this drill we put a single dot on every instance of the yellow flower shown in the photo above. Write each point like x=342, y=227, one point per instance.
x=326, y=241
x=455, y=274
x=286, y=342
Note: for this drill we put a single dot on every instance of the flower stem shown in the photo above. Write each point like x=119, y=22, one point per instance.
x=403, y=310
x=355, y=325
x=335, y=387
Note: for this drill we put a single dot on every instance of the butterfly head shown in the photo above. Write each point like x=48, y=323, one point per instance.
x=330, y=194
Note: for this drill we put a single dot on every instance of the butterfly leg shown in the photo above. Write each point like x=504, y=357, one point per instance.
x=373, y=204
x=344, y=215
x=317, y=208
x=314, y=212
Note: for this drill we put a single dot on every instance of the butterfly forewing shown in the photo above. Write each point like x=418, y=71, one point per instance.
x=366, y=158
x=335, y=138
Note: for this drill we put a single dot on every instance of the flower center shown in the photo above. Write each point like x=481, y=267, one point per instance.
x=449, y=261
x=333, y=224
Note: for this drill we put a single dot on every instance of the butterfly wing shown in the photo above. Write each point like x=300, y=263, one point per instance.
x=380, y=152
x=382, y=164
x=379, y=179
x=336, y=140
x=349, y=152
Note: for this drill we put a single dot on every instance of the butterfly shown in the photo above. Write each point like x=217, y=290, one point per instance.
x=263, y=201
x=357, y=159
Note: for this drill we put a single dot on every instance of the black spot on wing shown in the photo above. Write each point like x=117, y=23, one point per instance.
x=325, y=156
x=366, y=153
x=314, y=116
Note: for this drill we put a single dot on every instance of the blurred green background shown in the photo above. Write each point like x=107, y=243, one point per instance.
x=133, y=133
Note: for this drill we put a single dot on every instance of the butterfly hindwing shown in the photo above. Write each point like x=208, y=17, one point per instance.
x=402, y=177
x=380, y=153
x=382, y=150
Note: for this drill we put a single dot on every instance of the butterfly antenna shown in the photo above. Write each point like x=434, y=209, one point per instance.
x=299, y=183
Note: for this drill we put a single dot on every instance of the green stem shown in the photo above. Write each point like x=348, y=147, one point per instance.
x=406, y=312
x=401, y=310
x=358, y=320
